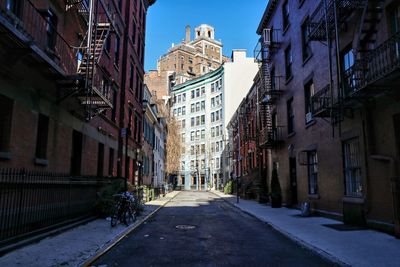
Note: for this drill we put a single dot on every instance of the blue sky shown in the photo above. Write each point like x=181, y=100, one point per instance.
x=235, y=23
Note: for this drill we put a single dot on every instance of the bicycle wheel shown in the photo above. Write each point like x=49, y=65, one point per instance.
x=114, y=220
x=131, y=217
x=114, y=216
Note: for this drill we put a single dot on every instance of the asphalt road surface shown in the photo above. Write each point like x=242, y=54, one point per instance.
x=200, y=229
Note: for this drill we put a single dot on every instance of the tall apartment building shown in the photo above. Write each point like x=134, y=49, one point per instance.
x=71, y=78
x=337, y=106
x=201, y=106
x=186, y=60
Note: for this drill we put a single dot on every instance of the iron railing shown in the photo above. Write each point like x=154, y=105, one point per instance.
x=31, y=200
x=321, y=102
x=271, y=136
x=376, y=65
x=317, y=23
x=36, y=27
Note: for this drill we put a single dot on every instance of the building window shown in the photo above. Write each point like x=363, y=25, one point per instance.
x=192, y=121
x=133, y=31
x=203, y=105
x=306, y=43
x=51, y=27
x=114, y=108
x=203, y=134
x=13, y=6
x=197, y=92
x=308, y=93
x=111, y=162
x=288, y=62
x=352, y=168
x=183, y=97
x=183, y=110
x=312, y=163
x=116, y=50
x=285, y=15
x=42, y=135
x=212, y=88
x=6, y=110
x=100, y=160
x=192, y=93
x=348, y=62
x=192, y=136
x=192, y=108
x=183, y=124
x=131, y=73
x=290, y=116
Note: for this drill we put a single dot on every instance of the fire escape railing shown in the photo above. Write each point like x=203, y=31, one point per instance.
x=37, y=29
x=270, y=87
x=35, y=26
x=270, y=136
x=321, y=102
x=317, y=22
x=375, y=66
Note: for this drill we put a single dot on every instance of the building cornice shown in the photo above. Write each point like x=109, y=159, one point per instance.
x=271, y=7
x=192, y=83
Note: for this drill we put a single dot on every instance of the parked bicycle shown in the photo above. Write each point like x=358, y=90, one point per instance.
x=124, y=210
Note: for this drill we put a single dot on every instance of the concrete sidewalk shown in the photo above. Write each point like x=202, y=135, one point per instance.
x=355, y=247
x=75, y=246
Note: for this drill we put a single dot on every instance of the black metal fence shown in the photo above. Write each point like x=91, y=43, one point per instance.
x=31, y=200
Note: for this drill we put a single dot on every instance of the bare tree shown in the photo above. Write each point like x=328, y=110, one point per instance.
x=173, y=146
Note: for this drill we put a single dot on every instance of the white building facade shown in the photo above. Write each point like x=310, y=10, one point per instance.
x=203, y=106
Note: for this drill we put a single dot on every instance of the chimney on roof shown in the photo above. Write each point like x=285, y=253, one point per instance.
x=187, y=39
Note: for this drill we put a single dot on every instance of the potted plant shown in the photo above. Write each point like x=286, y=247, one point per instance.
x=276, y=192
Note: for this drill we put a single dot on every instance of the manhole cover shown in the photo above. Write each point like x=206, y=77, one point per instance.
x=185, y=226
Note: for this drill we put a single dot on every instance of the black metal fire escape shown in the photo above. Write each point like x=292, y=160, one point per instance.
x=325, y=24
x=269, y=87
x=91, y=88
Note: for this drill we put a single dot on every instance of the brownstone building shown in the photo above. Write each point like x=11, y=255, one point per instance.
x=71, y=79
x=249, y=156
x=330, y=73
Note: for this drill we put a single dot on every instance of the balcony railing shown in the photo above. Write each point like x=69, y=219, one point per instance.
x=317, y=23
x=271, y=136
x=35, y=27
x=321, y=102
x=374, y=69
x=264, y=49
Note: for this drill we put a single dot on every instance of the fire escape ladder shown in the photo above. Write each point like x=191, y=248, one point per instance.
x=317, y=30
x=368, y=29
x=81, y=6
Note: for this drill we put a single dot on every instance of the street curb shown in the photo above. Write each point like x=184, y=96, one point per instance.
x=88, y=262
x=43, y=233
x=322, y=253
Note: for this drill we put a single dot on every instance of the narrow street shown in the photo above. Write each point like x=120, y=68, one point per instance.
x=200, y=229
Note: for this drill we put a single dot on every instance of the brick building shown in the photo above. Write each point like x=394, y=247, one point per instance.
x=186, y=60
x=329, y=76
x=59, y=111
x=248, y=156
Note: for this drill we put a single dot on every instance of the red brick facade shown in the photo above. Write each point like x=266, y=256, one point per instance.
x=36, y=83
